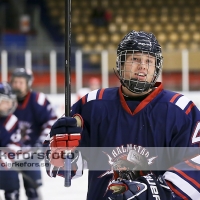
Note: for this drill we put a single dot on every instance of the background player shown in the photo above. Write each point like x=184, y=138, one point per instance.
x=36, y=116
x=9, y=137
x=137, y=115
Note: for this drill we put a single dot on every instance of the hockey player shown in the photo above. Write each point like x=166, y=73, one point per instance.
x=139, y=116
x=36, y=116
x=9, y=136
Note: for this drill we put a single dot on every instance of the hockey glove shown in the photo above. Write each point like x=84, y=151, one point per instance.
x=65, y=135
x=144, y=188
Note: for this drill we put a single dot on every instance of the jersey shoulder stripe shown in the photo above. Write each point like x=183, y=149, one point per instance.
x=182, y=102
x=105, y=94
x=92, y=95
x=10, y=123
x=175, y=96
x=41, y=99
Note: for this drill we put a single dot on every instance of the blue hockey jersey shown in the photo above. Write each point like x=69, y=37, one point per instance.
x=36, y=116
x=162, y=119
x=10, y=138
x=9, y=132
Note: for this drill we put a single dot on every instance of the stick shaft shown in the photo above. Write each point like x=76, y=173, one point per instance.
x=67, y=57
x=67, y=173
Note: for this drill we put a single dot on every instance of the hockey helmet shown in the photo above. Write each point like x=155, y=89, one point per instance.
x=8, y=98
x=22, y=72
x=144, y=43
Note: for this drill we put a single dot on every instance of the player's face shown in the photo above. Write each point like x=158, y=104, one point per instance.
x=19, y=85
x=5, y=106
x=139, y=66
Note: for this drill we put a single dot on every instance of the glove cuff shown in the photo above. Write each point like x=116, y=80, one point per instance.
x=79, y=120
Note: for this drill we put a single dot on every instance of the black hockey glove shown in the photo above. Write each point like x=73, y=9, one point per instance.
x=144, y=188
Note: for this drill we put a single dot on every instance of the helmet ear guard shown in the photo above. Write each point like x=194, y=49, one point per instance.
x=145, y=43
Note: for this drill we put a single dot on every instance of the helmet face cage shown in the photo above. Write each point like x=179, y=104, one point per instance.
x=7, y=95
x=139, y=44
x=135, y=85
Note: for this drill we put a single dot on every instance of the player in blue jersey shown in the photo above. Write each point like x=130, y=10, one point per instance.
x=137, y=130
x=36, y=116
x=10, y=138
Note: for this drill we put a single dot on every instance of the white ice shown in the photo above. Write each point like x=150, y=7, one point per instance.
x=53, y=188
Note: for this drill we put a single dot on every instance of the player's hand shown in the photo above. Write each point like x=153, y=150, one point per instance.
x=65, y=135
x=144, y=188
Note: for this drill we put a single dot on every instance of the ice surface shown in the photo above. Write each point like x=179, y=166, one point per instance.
x=53, y=188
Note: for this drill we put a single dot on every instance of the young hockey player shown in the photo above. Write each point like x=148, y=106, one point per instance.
x=10, y=138
x=36, y=116
x=132, y=123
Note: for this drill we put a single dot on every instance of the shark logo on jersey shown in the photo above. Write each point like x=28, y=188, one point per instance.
x=127, y=162
x=130, y=157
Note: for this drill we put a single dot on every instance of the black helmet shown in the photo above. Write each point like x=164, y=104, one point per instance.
x=145, y=43
x=22, y=72
x=7, y=94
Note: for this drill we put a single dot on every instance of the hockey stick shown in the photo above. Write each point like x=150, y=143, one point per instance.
x=67, y=171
